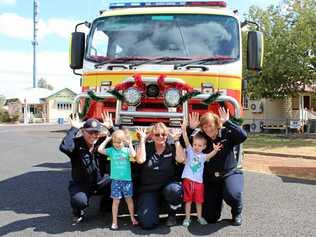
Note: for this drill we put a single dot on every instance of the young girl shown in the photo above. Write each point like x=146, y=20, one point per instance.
x=193, y=174
x=120, y=173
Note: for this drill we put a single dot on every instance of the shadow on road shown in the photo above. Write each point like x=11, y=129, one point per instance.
x=295, y=180
x=305, y=175
x=208, y=229
x=44, y=196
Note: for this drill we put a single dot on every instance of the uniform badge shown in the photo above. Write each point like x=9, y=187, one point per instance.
x=94, y=124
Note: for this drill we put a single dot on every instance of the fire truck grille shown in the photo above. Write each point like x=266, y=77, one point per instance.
x=199, y=107
x=152, y=106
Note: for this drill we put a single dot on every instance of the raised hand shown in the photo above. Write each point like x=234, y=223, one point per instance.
x=142, y=133
x=175, y=133
x=75, y=121
x=194, y=120
x=217, y=147
x=223, y=114
x=107, y=120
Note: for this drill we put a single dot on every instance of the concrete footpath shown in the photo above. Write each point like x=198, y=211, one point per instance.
x=280, y=165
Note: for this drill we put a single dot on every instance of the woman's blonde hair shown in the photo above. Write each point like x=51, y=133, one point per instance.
x=210, y=117
x=159, y=126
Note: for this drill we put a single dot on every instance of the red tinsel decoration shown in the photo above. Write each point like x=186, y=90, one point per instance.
x=92, y=108
x=139, y=82
x=161, y=82
x=180, y=86
x=123, y=86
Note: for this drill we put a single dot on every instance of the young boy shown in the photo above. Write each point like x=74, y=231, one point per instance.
x=120, y=173
x=193, y=174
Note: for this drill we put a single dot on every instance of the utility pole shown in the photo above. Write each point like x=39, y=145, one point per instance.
x=34, y=42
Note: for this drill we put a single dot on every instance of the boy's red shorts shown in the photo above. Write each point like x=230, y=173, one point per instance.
x=193, y=191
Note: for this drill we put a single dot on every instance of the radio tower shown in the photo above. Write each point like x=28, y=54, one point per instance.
x=34, y=42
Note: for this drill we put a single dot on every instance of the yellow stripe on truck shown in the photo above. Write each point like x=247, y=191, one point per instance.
x=193, y=79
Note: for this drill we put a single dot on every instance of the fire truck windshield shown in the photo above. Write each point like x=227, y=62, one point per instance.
x=173, y=35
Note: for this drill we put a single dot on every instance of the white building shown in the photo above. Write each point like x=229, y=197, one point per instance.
x=36, y=105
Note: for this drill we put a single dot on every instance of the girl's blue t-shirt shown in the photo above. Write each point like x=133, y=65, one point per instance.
x=120, y=163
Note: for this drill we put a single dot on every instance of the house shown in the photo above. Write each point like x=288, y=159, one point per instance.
x=59, y=105
x=36, y=105
x=281, y=114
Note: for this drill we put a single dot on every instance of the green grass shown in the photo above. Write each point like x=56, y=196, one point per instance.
x=280, y=144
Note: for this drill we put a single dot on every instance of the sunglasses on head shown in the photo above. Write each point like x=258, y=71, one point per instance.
x=160, y=134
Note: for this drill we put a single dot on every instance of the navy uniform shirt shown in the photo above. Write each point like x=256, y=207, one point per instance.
x=158, y=170
x=85, y=168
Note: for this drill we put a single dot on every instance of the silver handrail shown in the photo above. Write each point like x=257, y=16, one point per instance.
x=184, y=114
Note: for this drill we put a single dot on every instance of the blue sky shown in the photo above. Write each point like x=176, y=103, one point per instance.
x=57, y=21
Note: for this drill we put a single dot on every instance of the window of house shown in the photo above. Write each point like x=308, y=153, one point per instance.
x=307, y=101
x=64, y=106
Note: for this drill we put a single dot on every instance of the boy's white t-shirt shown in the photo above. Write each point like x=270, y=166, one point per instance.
x=194, y=165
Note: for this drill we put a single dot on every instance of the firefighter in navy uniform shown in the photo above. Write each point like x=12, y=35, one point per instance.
x=222, y=179
x=157, y=176
x=87, y=177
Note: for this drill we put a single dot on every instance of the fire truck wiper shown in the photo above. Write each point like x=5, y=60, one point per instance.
x=159, y=60
x=205, y=60
x=121, y=60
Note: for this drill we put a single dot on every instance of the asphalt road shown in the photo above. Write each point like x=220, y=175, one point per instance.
x=34, y=199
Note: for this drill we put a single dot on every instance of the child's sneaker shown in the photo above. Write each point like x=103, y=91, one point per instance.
x=186, y=222
x=202, y=221
x=114, y=227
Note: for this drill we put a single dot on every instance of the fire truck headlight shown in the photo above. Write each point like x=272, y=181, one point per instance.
x=172, y=97
x=132, y=96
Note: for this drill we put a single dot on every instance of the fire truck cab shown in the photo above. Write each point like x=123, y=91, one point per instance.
x=148, y=61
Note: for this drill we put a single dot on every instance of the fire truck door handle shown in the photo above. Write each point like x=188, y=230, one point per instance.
x=204, y=68
x=111, y=67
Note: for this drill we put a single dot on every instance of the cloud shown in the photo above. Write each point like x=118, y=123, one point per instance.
x=23, y=27
x=61, y=27
x=16, y=71
x=7, y=2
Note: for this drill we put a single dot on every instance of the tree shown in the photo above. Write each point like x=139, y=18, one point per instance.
x=2, y=100
x=289, y=48
x=42, y=83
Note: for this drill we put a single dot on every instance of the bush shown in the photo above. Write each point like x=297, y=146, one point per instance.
x=5, y=117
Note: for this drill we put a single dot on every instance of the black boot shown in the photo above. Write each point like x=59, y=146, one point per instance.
x=171, y=221
x=237, y=220
x=78, y=216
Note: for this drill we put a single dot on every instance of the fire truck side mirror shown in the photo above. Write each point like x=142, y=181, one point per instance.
x=77, y=45
x=255, y=50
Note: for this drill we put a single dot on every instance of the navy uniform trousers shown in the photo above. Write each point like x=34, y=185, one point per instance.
x=79, y=196
x=148, y=204
x=229, y=189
